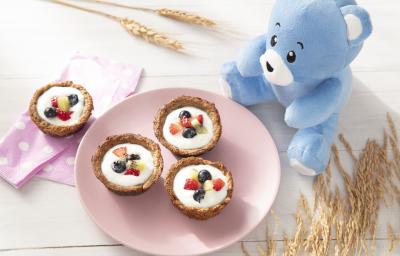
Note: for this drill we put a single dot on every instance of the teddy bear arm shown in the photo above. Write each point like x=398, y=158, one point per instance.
x=316, y=107
x=245, y=90
x=248, y=63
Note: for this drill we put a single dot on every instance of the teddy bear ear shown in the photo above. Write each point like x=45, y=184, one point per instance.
x=358, y=23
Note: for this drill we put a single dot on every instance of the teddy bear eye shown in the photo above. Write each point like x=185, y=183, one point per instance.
x=274, y=40
x=291, y=57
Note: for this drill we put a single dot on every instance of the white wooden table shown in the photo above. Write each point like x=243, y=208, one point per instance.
x=36, y=37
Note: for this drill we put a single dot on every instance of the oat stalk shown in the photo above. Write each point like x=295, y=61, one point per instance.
x=351, y=218
x=133, y=27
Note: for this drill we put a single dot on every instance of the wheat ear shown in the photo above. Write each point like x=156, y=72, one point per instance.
x=186, y=17
x=178, y=15
x=149, y=35
x=133, y=27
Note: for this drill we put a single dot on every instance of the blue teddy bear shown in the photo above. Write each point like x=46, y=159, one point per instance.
x=303, y=63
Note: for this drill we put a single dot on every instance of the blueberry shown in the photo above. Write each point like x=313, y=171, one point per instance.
x=204, y=175
x=189, y=133
x=119, y=166
x=73, y=99
x=132, y=157
x=199, y=195
x=185, y=113
x=50, y=112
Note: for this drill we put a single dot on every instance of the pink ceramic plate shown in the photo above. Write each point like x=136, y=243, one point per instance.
x=149, y=223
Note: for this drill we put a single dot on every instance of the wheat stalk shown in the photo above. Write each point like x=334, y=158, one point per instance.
x=149, y=35
x=133, y=27
x=178, y=15
x=186, y=17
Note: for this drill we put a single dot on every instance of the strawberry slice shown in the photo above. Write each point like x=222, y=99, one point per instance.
x=200, y=119
x=186, y=122
x=174, y=128
x=120, y=152
x=133, y=172
x=218, y=184
x=197, y=121
x=54, y=102
x=191, y=184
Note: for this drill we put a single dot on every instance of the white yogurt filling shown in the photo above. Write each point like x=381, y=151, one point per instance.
x=211, y=197
x=44, y=101
x=127, y=180
x=178, y=140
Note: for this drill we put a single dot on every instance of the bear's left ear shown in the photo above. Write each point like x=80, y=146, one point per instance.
x=358, y=23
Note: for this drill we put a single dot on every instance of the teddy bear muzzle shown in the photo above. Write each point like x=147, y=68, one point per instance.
x=275, y=69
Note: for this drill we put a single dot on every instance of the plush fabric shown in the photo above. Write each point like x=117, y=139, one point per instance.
x=302, y=61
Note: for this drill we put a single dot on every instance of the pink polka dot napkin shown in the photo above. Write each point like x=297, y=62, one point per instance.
x=25, y=151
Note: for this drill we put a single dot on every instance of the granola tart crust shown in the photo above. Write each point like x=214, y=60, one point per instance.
x=193, y=212
x=60, y=130
x=185, y=101
x=138, y=139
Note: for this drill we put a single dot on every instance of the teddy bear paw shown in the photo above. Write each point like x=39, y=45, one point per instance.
x=226, y=89
x=300, y=168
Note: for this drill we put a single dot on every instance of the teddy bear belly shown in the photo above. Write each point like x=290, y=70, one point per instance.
x=287, y=94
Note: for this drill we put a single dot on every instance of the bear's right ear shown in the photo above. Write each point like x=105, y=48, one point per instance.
x=358, y=23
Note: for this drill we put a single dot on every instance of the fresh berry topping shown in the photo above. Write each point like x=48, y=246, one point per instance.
x=118, y=166
x=73, y=99
x=63, y=115
x=200, y=119
x=218, y=184
x=50, y=112
x=120, y=152
x=174, y=128
x=191, y=184
x=194, y=174
x=186, y=122
x=54, y=102
x=133, y=172
x=204, y=175
x=199, y=195
x=63, y=103
x=201, y=130
x=133, y=157
x=195, y=123
x=139, y=165
x=208, y=185
x=184, y=113
x=189, y=133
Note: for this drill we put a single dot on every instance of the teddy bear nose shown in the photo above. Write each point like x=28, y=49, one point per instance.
x=269, y=67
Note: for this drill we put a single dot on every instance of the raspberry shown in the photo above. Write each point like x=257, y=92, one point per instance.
x=64, y=116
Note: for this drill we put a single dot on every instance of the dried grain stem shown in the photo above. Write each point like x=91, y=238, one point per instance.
x=133, y=27
x=347, y=146
x=178, y=15
x=186, y=17
x=244, y=250
x=149, y=35
x=352, y=217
